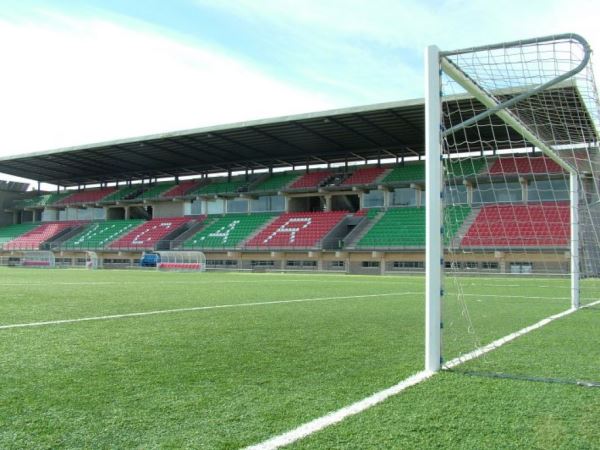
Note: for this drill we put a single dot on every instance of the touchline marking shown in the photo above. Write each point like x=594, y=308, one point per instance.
x=334, y=417
x=195, y=308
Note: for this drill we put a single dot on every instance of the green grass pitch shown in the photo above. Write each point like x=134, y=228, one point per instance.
x=237, y=374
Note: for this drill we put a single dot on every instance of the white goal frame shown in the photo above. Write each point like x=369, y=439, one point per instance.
x=92, y=261
x=38, y=259
x=185, y=260
x=436, y=63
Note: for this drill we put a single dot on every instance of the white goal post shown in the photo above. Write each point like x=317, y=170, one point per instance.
x=92, y=261
x=185, y=260
x=38, y=258
x=506, y=110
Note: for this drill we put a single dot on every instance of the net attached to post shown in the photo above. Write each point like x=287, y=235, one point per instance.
x=40, y=259
x=92, y=261
x=181, y=261
x=520, y=203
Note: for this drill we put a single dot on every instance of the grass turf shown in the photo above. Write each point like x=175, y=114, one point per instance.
x=226, y=378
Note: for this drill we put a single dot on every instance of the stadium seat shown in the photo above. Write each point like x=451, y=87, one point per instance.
x=98, y=235
x=155, y=191
x=365, y=175
x=10, y=232
x=148, y=234
x=91, y=196
x=220, y=187
x=228, y=231
x=413, y=171
x=42, y=233
x=300, y=229
x=405, y=227
x=181, y=189
x=42, y=200
x=524, y=165
x=538, y=225
x=465, y=168
x=276, y=182
x=123, y=193
x=311, y=180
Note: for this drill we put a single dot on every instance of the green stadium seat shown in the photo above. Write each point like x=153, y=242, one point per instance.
x=405, y=227
x=228, y=231
x=155, y=191
x=10, y=232
x=276, y=182
x=98, y=235
x=219, y=187
x=409, y=172
x=124, y=193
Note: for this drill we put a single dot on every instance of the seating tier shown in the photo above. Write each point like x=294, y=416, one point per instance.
x=40, y=234
x=155, y=191
x=311, y=180
x=10, y=232
x=91, y=196
x=405, y=227
x=123, y=193
x=539, y=225
x=148, y=234
x=290, y=230
x=398, y=227
x=466, y=167
x=228, y=231
x=181, y=189
x=276, y=182
x=409, y=172
x=524, y=165
x=365, y=175
x=42, y=200
x=98, y=235
x=220, y=187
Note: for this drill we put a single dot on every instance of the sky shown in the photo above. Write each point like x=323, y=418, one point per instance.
x=77, y=72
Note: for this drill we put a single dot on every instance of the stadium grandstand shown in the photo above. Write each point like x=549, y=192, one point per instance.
x=339, y=190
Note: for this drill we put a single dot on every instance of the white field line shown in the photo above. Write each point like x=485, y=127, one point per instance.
x=511, y=337
x=196, y=308
x=337, y=416
x=334, y=417
x=189, y=282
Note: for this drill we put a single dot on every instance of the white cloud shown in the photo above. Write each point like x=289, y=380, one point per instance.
x=67, y=81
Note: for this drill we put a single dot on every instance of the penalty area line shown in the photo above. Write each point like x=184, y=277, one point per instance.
x=335, y=417
x=196, y=308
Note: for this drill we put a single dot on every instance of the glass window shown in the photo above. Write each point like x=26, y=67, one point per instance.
x=215, y=206
x=498, y=192
x=547, y=190
x=456, y=194
x=404, y=197
x=373, y=199
x=237, y=205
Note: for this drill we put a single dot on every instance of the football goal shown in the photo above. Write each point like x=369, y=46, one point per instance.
x=39, y=258
x=181, y=261
x=512, y=201
x=92, y=261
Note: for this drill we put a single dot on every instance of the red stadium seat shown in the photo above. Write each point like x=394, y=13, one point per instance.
x=304, y=229
x=147, y=235
x=538, y=225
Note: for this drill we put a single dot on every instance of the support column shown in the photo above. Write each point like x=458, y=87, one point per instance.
x=574, y=191
x=433, y=212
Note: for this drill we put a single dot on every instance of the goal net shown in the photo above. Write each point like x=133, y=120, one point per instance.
x=181, y=261
x=41, y=259
x=513, y=208
x=92, y=261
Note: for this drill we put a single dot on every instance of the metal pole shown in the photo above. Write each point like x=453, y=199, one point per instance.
x=433, y=211
x=574, y=191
